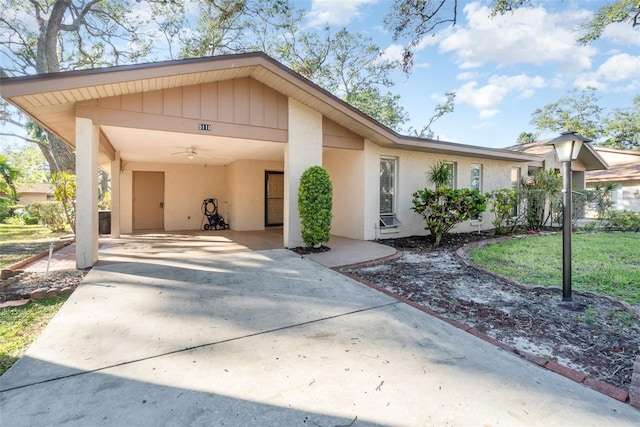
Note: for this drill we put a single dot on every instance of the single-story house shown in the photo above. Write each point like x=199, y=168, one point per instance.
x=242, y=129
x=588, y=160
x=34, y=192
x=624, y=170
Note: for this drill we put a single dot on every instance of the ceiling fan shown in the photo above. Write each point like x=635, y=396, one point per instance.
x=191, y=153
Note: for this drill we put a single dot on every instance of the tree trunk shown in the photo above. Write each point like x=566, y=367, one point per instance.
x=63, y=153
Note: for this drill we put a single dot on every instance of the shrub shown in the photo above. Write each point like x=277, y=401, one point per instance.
x=443, y=208
x=65, y=192
x=622, y=220
x=49, y=214
x=315, y=203
x=503, y=204
x=541, y=196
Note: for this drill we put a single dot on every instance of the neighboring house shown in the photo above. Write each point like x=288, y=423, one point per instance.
x=588, y=160
x=242, y=129
x=624, y=170
x=34, y=192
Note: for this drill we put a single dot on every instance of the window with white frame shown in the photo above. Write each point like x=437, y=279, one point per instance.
x=515, y=184
x=476, y=183
x=476, y=178
x=451, y=166
x=388, y=191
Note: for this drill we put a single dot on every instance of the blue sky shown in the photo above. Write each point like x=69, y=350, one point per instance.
x=501, y=68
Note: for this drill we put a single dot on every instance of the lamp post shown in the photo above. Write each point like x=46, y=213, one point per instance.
x=567, y=147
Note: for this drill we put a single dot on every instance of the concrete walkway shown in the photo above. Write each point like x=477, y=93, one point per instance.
x=163, y=334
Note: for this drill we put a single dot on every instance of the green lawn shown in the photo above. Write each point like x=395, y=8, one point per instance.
x=18, y=242
x=606, y=263
x=20, y=326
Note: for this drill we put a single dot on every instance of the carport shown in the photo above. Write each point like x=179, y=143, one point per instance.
x=238, y=128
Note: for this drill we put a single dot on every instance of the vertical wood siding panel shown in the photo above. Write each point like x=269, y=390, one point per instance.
x=257, y=101
x=209, y=101
x=242, y=102
x=283, y=112
x=111, y=102
x=172, y=102
x=225, y=101
x=271, y=99
x=132, y=102
x=152, y=102
x=191, y=101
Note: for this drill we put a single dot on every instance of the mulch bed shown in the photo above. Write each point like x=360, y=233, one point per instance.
x=601, y=338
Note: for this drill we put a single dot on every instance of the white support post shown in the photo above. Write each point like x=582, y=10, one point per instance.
x=116, y=169
x=303, y=150
x=87, y=136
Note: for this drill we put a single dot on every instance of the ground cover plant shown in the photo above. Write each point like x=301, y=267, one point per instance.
x=605, y=263
x=20, y=326
x=19, y=242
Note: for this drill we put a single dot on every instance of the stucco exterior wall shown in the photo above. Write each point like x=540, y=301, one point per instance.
x=412, y=168
x=625, y=197
x=186, y=186
x=246, y=200
x=346, y=170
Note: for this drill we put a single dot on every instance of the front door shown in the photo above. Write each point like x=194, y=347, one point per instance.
x=148, y=200
x=274, y=198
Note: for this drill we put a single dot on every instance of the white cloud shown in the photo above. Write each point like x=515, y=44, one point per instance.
x=467, y=75
x=620, y=68
x=622, y=33
x=488, y=96
x=487, y=114
x=527, y=35
x=392, y=53
x=334, y=12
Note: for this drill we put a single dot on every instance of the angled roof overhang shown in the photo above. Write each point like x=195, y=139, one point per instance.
x=588, y=155
x=50, y=99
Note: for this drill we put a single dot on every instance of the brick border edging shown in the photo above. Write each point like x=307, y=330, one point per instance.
x=594, y=384
x=18, y=265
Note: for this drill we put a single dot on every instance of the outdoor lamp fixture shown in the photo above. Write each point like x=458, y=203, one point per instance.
x=567, y=147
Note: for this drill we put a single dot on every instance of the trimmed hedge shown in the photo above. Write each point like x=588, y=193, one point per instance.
x=315, y=202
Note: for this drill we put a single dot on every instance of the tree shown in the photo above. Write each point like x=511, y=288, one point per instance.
x=527, y=138
x=31, y=164
x=8, y=175
x=315, y=202
x=448, y=106
x=577, y=112
x=68, y=36
x=620, y=11
x=415, y=19
x=622, y=128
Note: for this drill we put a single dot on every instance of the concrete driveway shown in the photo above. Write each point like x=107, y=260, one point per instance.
x=171, y=335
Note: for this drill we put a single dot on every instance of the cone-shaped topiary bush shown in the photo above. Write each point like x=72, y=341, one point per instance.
x=315, y=202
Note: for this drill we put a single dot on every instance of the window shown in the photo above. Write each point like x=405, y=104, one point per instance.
x=388, y=183
x=476, y=178
x=476, y=183
x=515, y=184
x=452, y=175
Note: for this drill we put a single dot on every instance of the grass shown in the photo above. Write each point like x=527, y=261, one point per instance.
x=20, y=326
x=19, y=242
x=606, y=263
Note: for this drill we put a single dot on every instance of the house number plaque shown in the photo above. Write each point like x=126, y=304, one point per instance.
x=204, y=126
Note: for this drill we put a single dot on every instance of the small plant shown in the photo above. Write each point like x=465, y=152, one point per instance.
x=622, y=220
x=315, y=202
x=443, y=208
x=65, y=192
x=49, y=214
x=503, y=204
x=602, y=197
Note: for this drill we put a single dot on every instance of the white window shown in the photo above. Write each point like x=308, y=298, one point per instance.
x=476, y=178
x=451, y=166
x=476, y=183
x=388, y=191
x=515, y=184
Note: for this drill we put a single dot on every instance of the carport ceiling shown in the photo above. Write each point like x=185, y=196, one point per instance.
x=140, y=145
